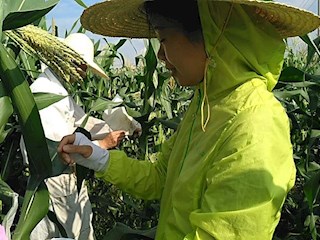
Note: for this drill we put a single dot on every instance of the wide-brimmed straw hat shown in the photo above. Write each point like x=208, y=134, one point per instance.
x=126, y=18
x=82, y=44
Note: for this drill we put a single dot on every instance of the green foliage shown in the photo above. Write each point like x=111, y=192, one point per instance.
x=298, y=90
x=152, y=97
x=36, y=198
x=18, y=13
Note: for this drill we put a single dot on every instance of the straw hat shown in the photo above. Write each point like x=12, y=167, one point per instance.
x=82, y=44
x=125, y=18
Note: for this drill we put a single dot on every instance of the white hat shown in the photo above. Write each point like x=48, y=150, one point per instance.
x=83, y=45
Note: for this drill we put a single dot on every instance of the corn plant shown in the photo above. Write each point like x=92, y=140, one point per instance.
x=151, y=96
x=15, y=87
x=298, y=90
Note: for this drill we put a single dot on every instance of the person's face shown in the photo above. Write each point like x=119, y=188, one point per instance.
x=186, y=59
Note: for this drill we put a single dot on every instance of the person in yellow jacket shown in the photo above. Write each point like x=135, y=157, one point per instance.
x=226, y=171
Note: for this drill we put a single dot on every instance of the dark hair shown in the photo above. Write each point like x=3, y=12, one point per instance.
x=166, y=13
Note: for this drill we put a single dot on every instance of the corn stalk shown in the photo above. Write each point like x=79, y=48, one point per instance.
x=36, y=200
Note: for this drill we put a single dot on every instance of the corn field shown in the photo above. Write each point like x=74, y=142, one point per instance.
x=153, y=98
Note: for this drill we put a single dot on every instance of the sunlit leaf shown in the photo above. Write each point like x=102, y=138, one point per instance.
x=5, y=113
x=103, y=104
x=39, y=161
x=81, y=3
x=34, y=210
x=44, y=100
x=19, y=13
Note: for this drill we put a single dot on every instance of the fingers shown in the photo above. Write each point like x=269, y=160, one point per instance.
x=66, y=147
x=113, y=139
x=69, y=139
x=66, y=159
x=118, y=133
x=118, y=136
x=84, y=150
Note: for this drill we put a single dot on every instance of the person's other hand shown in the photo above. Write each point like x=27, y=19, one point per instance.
x=137, y=132
x=77, y=148
x=112, y=140
x=66, y=147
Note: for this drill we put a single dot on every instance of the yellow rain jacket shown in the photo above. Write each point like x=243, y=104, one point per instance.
x=230, y=181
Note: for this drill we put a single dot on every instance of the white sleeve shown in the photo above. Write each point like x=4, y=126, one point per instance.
x=97, y=161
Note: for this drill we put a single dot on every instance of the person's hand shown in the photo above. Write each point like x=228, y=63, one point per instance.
x=66, y=147
x=77, y=148
x=112, y=140
x=137, y=132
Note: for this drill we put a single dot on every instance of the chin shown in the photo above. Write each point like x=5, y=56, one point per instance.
x=185, y=83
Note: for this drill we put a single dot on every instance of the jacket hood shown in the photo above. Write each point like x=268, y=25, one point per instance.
x=240, y=46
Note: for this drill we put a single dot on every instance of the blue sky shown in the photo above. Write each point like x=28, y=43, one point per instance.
x=66, y=12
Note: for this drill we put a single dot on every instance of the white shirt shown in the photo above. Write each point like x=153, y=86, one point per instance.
x=63, y=117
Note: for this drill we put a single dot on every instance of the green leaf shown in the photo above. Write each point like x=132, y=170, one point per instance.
x=5, y=113
x=292, y=74
x=103, y=104
x=33, y=210
x=36, y=200
x=6, y=192
x=19, y=13
x=29, y=119
x=315, y=133
x=311, y=188
x=312, y=48
x=44, y=100
x=165, y=101
x=81, y=3
x=72, y=28
x=57, y=166
x=123, y=232
x=10, y=198
x=119, y=44
x=289, y=94
x=173, y=124
x=29, y=63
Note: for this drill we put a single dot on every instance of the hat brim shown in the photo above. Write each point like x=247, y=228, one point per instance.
x=123, y=18
x=96, y=69
x=90, y=64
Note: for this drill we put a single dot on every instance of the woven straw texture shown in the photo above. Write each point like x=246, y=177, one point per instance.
x=124, y=18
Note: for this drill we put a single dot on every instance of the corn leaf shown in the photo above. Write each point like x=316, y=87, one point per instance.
x=103, y=104
x=36, y=200
x=19, y=13
x=81, y=3
x=33, y=210
x=5, y=113
x=57, y=166
x=28, y=114
x=44, y=100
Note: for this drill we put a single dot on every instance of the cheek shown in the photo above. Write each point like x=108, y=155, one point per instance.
x=190, y=72
x=188, y=62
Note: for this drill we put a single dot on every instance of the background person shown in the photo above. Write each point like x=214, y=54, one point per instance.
x=226, y=171
x=73, y=210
